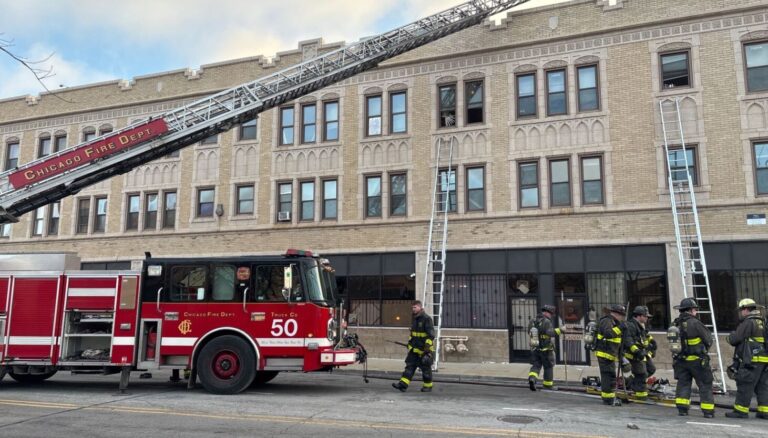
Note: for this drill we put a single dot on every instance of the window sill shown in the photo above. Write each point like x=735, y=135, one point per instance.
x=202, y=220
x=378, y=138
x=241, y=217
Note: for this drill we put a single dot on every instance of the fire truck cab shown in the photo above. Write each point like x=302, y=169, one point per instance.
x=231, y=322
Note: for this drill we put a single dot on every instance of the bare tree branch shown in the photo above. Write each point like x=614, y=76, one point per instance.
x=37, y=67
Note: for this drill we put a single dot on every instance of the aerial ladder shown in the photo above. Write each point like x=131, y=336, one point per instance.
x=53, y=177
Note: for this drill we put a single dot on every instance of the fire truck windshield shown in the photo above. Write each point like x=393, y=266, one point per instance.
x=318, y=288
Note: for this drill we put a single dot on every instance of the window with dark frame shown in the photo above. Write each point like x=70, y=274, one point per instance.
x=526, y=95
x=11, y=155
x=248, y=130
x=475, y=188
x=307, y=201
x=205, y=200
x=373, y=115
x=54, y=214
x=212, y=139
x=285, y=193
x=59, y=142
x=675, y=70
x=447, y=95
x=756, y=55
x=475, y=102
x=398, y=121
x=330, y=199
x=100, y=215
x=245, y=199
x=331, y=121
x=529, y=184
x=150, y=211
x=557, y=101
x=678, y=161
x=447, y=190
x=104, y=130
x=591, y=180
x=761, y=167
x=398, y=194
x=44, y=146
x=589, y=97
x=89, y=134
x=5, y=230
x=188, y=283
x=373, y=196
x=132, y=215
x=38, y=223
x=169, y=209
x=83, y=215
x=309, y=123
x=559, y=183
x=286, y=126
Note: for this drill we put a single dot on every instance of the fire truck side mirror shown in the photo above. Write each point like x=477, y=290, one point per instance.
x=287, y=282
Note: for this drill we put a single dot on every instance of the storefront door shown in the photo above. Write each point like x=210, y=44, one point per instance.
x=521, y=312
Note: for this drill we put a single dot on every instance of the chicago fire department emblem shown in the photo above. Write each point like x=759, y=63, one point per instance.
x=185, y=326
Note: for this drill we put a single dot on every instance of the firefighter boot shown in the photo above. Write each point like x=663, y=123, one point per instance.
x=762, y=415
x=736, y=414
x=682, y=412
x=400, y=386
x=532, y=383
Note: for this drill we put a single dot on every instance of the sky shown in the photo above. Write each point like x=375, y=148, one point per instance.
x=88, y=41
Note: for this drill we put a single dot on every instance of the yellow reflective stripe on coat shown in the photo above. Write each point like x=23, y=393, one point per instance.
x=683, y=401
x=634, y=348
x=742, y=409
x=694, y=341
x=692, y=358
x=416, y=350
x=419, y=334
x=759, y=339
x=558, y=331
x=760, y=359
x=605, y=355
x=763, y=409
x=707, y=406
x=429, y=341
x=616, y=330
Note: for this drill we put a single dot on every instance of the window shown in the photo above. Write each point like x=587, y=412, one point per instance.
x=398, y=122
x=285, y=193
x=589, y=98
x=557, y=103
x=650, y=289
x=100, y=216
x=11, y=155
x=188, y=283
x=5, y=230
x=169, y=210
x=38, y=224
x=83, y=214
x=447, y=105
x=213, y=139
x=150, y=211
x=559, y=183
x=132, y=218
x=223, y=283
x=761, y=168
x=89, y=134
x=268, y=282
x=248, y=130
x=307, y=200
x=54, y=214
x=104, y=130
x=308, y=123
x=677, y=164
x=476, y=189
x=174, y=154
x=286, y=126
x=205, y=199
x=592, y=180
x=59, y=143
x=529, y=184
x=330, y=199
x=398, y=195
x=373, y=115
x=757, y=66
x=447, y=190
x=331, y=121
x=475, y=102
x=675, y=70
x=245, y=199
x=526, y=95
x=44, y=147
x=373, y=196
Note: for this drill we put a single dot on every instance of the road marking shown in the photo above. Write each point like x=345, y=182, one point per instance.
x=712, y=424
x=527, y=410
x=299, y=420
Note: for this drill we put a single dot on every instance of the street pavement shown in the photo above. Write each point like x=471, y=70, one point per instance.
x=338, y=404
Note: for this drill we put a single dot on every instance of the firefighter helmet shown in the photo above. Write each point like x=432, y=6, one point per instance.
x=747, y=303
x=642, y=310
x=549, y=308
x=618, y=308
x=687, y=303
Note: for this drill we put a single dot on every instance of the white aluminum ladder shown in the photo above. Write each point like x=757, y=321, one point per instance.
x=443, y=202
x=220, y=112
x=690, y=252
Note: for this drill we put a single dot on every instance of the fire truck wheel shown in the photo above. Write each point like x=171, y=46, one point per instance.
x=31, y=378
x=2, y=373
x=226, y=365
x=263, y=377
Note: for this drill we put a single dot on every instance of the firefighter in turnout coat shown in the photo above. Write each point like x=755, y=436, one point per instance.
x=543, y=353
x=609, y=337
x=639, y=348
x=750, y=368
x=693, y=361
x=421, y=350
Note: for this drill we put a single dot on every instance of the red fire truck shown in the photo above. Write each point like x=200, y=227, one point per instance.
x=231, y=321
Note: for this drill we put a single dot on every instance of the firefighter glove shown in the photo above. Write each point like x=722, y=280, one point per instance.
x=426, y=360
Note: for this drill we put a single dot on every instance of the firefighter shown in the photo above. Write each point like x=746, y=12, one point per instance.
x=639, y=348
x=692, y=363
x=542, y=348
x=750, y=361
x=421, y=350
x=609, y=336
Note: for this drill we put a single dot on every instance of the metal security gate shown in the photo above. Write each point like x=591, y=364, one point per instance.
x=521, y=311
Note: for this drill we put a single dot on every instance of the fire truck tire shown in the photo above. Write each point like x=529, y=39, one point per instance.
x=226, y=365
x=31, y=378
x=263, y=377
x=2, y=373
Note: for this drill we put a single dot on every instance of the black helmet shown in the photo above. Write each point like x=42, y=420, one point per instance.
x=549, y=308
x=687, y=303
x=641, y=310
x=618, y=308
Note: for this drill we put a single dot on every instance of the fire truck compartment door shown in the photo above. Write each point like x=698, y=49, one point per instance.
x=32, y=316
